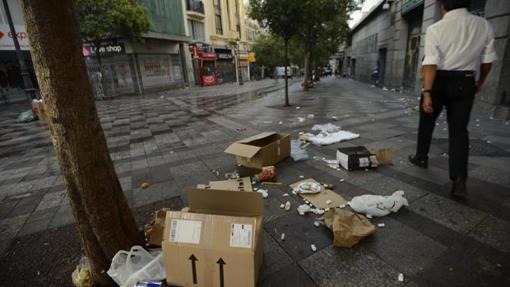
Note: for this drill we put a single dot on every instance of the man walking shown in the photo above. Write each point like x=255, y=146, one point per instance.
x=454, y=48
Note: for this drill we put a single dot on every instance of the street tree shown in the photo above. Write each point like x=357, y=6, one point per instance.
x=323, y=27
x=103, y=217
x=103, y=21
x=280, y=17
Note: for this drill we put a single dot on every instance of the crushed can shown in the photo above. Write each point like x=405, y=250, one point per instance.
x=149, y=284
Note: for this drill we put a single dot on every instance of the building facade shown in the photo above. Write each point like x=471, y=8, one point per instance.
x=390, y=37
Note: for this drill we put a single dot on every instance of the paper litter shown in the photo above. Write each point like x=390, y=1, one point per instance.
x=264, y=192
x=381, y=225
x=298, y=152
x=285, y=194
x=304, y=208
x=401, y=277
x=282, y=237
x=328, y=134
x=348, y=227
x=316, y=223
x=376, y=205
x=287, y=205
x=309, y=187
x=300, y=119
x=313, y=247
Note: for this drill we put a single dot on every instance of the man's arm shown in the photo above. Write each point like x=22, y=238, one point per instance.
x=429, y=74
x=485, y=68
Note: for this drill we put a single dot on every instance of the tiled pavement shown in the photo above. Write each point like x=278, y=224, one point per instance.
x=176, y=139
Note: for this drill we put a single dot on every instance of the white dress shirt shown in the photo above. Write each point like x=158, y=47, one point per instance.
x=459, y=42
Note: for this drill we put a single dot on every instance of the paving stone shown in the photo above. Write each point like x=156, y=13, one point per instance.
x=448, y=213
x=156, y=192
x=26, y=205
x=494, y=232
x=300, y=233
x=402, y=247
x=6, y=207
x=274, y=257
x=349, y=267
x=64, y=216
x=51, y=199
x=492, y=175
x=4, y=245
x=9, y=227
x=292, y=275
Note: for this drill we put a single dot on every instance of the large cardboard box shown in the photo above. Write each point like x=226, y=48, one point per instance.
x=218, y=242
x=261, y=150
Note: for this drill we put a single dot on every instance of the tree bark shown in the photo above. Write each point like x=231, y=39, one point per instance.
x=103, y=218
x=307, y=69
x=286, y=73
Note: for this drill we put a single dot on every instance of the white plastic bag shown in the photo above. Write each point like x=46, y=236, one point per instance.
x=376, y=205
x=138, y=264
x=296, y=152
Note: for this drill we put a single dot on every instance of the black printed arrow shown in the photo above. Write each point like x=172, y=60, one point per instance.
x=221, y=263
x=194, y=267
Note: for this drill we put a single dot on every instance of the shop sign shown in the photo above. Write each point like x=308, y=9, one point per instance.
x=225, y=56
x=209, y=56
x=408, y=5
x=6, y=42
x=104, y=50
x=243, y=64
x=252, y=58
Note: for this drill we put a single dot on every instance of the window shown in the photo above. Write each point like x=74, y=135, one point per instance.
x=217, y=13
x=196, y=29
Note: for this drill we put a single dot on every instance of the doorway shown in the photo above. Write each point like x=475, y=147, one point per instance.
x=381, y=65
x=414, y=21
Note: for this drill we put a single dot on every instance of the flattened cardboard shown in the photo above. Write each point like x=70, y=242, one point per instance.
x=261, y=150
x=319, y=199
x=243, y=184
x=218, y=254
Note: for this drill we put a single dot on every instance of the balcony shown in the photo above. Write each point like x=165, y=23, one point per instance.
x=196, y=6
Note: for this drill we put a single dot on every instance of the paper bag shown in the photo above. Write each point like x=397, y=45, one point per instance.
x=154, y=230
x=348, y=227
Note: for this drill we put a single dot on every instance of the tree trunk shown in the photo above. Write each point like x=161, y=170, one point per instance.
x=307, y=66
x=103, y=218
x=286, y=73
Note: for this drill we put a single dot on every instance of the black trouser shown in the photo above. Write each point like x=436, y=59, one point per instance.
x=454, y=90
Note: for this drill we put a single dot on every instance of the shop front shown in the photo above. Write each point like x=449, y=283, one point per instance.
x=225, y=66
x=205, y=64
x=244, y=67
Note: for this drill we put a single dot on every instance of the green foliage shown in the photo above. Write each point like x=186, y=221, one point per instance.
x=270, y=51
x=280, y=17
x=101, y=20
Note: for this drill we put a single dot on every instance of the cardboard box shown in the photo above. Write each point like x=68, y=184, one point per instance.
x=154, y=230
x=241, y=184
x=39, y=110
x=354, y=158
x=218, y=242
x=261, y=150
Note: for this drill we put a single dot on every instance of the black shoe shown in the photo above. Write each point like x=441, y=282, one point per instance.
x=420, y=162
x=459, y=188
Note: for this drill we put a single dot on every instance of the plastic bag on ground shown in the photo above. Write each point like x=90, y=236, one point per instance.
x=348, y=227
x=26, y=116
x=377, y=205
x=138, y=264
x=296, y=152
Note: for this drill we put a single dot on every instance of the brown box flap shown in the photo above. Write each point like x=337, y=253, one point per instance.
x=243, y=150
x=257, y=137
x=225, y=202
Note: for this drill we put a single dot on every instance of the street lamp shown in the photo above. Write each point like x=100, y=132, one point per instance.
x=28, y=87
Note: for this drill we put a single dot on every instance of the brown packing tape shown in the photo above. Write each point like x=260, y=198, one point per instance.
x=348, y=227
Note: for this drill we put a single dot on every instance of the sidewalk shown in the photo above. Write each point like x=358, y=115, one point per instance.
x=177, y=140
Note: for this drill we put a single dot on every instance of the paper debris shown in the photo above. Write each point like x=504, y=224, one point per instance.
x=287, y=205
x=368, y=216
x=342, y=180
x=282, y=237
x=401, y=277
x=280, y=123
x=316, y=223
x=381, y=225
x=264, y=192
x=285, y=194
x=300, y=119
x=328, y=201
x=282, y=206
x=314, y=248
x=310, y=116
x=301, y=176
x=297, y=108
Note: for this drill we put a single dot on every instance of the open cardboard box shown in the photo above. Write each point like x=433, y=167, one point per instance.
x=261, y=150
x=217, y=242
x=241, y=184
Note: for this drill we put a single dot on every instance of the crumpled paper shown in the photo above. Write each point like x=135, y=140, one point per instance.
x=348, y=227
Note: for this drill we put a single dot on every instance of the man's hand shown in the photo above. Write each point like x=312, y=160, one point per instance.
x=427, y=103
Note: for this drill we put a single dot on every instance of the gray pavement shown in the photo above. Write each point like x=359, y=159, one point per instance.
x=176, y=139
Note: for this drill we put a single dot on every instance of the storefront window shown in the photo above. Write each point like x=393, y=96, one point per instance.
x=209, y=68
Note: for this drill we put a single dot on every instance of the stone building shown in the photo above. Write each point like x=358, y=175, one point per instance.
x=390, y=38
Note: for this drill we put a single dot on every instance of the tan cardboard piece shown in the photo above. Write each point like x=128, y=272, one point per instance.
x=320, y=200
x=261, y=150
x=242, y=184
